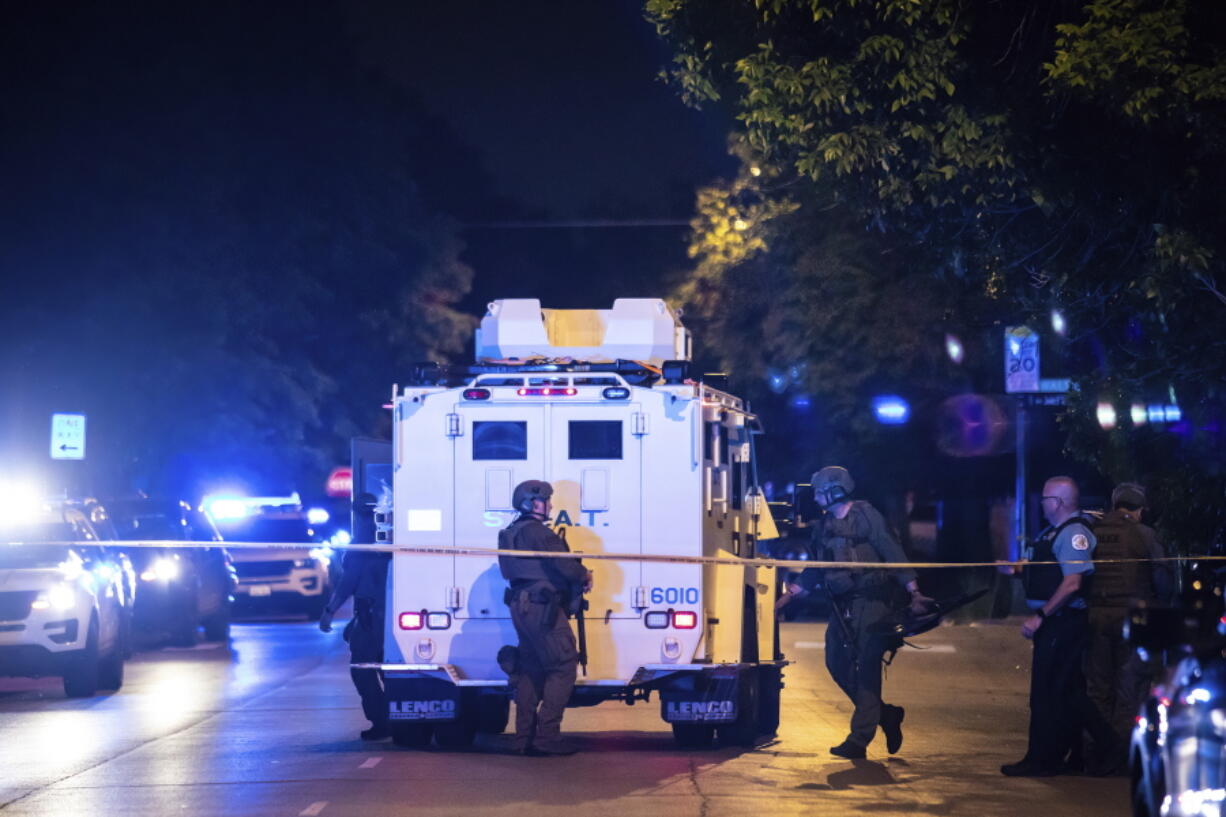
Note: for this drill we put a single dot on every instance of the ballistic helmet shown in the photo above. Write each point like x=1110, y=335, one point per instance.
x=1128, y=493
x=832, y=485
x=529, y=490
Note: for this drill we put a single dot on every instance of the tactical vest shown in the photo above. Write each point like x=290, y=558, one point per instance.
x=1041, y=581
x=847, y=540
x=1117, y=585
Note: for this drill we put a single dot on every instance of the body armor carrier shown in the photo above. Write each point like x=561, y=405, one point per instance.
x=1041, y=581
x=1117, y=585
x=847, y=540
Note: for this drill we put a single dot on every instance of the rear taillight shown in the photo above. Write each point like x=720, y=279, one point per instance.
x=412, y=621
x=679, y=619
x=616, y=393
x=476, y=394
x=438, y=621
x=685, y=619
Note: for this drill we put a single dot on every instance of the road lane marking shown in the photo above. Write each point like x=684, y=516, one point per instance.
x=370, y=763
x=314, y=809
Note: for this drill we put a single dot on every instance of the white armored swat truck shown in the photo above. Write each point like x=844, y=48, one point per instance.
x=643, y=460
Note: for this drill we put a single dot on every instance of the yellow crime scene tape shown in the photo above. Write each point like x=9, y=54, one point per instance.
x=486, y=552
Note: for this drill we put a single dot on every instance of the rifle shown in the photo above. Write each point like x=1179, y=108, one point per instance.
x=576, y=606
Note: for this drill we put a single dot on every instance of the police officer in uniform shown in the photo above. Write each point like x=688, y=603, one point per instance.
x=541, y=591
x=1056, y=594
x=854, y=531
x=1116, y=677
x=364, y=577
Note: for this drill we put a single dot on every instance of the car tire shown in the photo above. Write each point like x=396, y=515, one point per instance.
x=458, y=734
x=493, y=713
x=110, y=670
x=744, y=730
x=217, y=626
x=183, y=632
x=81, y=672
x=693, y=735
x=412, y=735
x=770, y=690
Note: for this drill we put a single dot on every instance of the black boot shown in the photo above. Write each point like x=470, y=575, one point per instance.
x=891, y=726
x=849, y=750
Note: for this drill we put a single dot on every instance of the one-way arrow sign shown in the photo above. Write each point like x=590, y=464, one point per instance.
x=67, y=436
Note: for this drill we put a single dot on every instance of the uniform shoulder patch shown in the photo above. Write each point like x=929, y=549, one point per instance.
x=1080, y=542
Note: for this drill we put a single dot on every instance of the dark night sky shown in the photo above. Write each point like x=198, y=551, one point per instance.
x=561, y=105
x=224, y=179
x=560, y=99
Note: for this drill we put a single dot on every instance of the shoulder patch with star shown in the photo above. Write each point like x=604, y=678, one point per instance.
x=1080, y=542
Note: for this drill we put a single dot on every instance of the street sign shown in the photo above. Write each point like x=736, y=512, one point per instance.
x=340, y=482
x=1021, y=360
x=67, y=436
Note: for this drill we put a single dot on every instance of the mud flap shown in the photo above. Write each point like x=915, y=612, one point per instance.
x=422, y=700
x=701, y=698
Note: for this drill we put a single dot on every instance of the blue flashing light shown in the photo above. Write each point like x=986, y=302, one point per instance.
x=1155, y=413
x=341, y=538
x=318, y=516
x=801, y=402
x=223, y=508
x=1172, y=414
x=891, y=410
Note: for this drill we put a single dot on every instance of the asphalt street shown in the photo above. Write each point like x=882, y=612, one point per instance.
x=268, y=726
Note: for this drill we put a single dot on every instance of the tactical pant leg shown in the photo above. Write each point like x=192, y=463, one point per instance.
x=561, y=665
x=853, y=657
x=530, y=682
x=1109, y=682
x=366, y=647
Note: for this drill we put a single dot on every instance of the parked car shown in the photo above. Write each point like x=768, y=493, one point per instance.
x=1178, y=745
x=181, y=589
x=63, y=608
x=277, y=578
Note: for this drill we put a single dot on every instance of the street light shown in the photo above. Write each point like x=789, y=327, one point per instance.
x=1058, y=324
x=1106, y=415
x=891, y=410
x=953, y=348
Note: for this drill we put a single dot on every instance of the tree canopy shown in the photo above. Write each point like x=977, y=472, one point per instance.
x=1003, y=160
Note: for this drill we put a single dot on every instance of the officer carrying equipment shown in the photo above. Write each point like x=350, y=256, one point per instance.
x=540, y=596
x=861, y=600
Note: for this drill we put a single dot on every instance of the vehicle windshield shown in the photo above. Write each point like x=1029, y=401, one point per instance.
x=149, y=527
x=12, y=556
x=270, y=530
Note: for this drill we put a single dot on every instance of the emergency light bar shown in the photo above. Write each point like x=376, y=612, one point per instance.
x=569, y=391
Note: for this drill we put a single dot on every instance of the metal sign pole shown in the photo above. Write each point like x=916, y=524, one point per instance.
x=1019, y=484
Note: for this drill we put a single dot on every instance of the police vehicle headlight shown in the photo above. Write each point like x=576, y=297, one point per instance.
x=162, y=569
x=59, y=597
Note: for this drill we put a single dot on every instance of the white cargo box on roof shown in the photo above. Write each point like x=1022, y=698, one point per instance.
x=642, y=329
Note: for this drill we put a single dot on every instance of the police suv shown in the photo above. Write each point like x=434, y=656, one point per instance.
x=643, y=461
x=64, y=609
x=275, y=577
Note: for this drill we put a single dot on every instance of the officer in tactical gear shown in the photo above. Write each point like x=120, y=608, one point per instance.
x=1116, y=677
x=861, y=599
x=1057, y=588
x=364, y=577
x=541, y=593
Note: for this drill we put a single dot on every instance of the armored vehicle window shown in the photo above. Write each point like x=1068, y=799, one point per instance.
x=500, y=440
x=596, y=381
x=595, y=439
x=501, y=381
